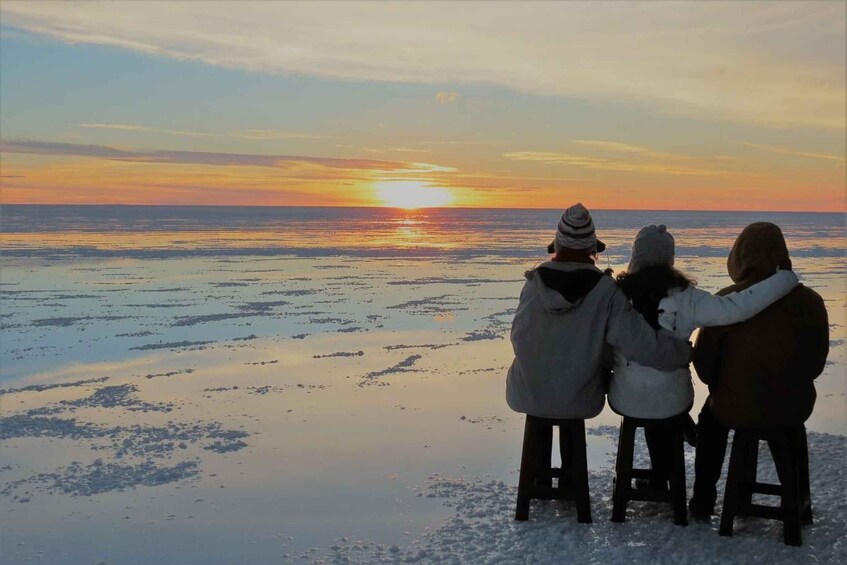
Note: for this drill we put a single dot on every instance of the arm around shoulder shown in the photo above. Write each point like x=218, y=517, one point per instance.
x=628, y=332
x=711, y=310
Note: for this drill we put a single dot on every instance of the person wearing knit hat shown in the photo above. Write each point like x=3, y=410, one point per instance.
x=569, y=315
x=576, y=232
x=669, y=299
x=653, y=245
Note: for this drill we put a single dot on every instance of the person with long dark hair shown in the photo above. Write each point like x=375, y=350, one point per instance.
x=669, y=299
x=568, y=313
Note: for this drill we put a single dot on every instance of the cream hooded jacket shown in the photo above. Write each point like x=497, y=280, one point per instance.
x=645, y=392
x=567, y=314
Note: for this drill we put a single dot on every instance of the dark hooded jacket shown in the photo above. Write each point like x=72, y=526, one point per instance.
x=761, y=372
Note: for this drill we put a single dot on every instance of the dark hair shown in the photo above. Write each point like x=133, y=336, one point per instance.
x=646, y=288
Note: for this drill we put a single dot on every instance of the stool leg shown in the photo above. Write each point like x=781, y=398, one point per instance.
x=677, y=479
x=733, y=480
x=576, y=456
x=527, y=476
x=786, y=465
x=623, y=471
x=803, y=476
x=566, y=453
x=544, y=455
x=749, y=476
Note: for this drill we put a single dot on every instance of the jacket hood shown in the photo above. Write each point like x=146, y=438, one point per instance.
x=562, y=286
x=757, y=253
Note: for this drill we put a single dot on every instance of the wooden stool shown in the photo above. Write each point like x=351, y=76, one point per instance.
x=537, y=472
x=790, y=454
x=625, y=473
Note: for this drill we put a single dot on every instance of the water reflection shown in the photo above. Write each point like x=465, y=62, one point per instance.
x=410, y=352
x=89, y=230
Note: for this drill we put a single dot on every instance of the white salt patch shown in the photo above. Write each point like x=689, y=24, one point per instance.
x=482, y=529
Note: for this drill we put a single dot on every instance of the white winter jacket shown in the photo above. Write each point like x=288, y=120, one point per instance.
x=645, y=392
x=560, y=333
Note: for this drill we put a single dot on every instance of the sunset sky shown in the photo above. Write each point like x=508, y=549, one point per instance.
x=664, y=105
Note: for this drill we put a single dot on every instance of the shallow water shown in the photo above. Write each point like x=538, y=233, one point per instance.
x=289, y=377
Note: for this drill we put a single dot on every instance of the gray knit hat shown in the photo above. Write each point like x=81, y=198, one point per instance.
x=652, y=246
x=576, y=231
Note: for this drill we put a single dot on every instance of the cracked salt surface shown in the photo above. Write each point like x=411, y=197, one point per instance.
x=359, y=353
x=169, y=373
x=145, y=450
x=71, y=320
x=150, y=447
x=403, y=366
x=42, y=388
x=98, y=477
x=314, y=436
x=118, y=395
x=182, y=321
x=481, y=334
x=482, y=528
x=170, y=345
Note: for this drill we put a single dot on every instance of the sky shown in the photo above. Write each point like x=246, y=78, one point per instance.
x=620, y=105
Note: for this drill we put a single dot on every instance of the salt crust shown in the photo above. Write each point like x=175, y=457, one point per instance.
x=137, y=455
x=482, y=529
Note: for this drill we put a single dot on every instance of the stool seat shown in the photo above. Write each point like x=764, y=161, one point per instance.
x=537, y=472
x=790, y=453
x=625, y=473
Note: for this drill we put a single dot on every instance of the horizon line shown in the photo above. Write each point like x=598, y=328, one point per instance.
x=409, y=210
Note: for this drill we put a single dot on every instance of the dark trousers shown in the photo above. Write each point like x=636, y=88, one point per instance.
x=659, y=439
x=709, y=456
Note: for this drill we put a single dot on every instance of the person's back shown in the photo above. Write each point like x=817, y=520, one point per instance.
x=558, y=332
x=761, y=372
x=569, y=311
x=667, y=298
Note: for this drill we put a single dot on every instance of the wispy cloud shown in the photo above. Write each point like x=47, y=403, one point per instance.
x=121, y=127
x=209, y=158
x=626, y=158
x=780, y=64
x=390, y=149
x=264, y=134
x=276, y=134
x=617, y=147
x=458, y=142
x=409, y=150
x=131, y=127
x=446, y=97
x=796, y=153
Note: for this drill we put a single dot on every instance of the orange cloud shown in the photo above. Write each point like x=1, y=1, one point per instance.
x=796, y=153
x=39, y=172
x=652, y=166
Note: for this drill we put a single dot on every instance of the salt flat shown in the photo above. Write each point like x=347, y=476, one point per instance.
x=225, y=408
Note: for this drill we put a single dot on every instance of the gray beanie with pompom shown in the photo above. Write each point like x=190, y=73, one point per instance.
x=652, y=246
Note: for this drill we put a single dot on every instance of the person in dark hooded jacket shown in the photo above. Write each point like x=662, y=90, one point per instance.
x=761, y=372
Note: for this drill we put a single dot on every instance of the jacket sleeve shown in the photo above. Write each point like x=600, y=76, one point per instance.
x=711, y=310
x=628, y=332
x=520, y=323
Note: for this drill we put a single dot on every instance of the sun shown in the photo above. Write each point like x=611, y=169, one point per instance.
x=412, y=194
